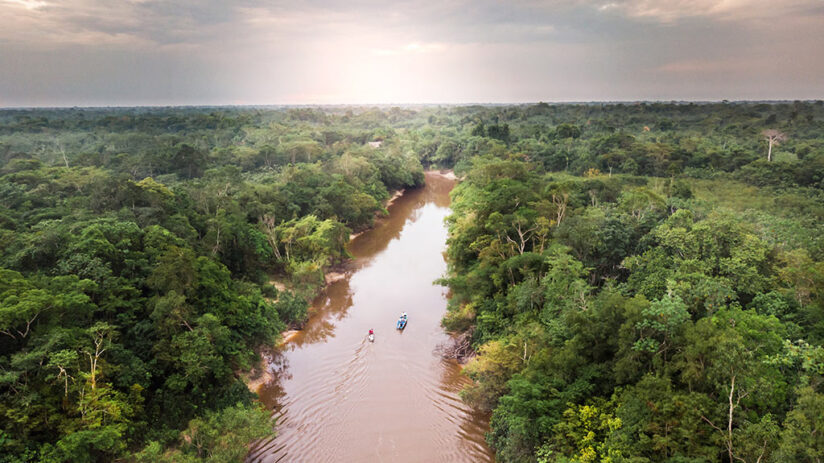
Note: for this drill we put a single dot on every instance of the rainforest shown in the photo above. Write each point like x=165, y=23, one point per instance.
x=627, y=282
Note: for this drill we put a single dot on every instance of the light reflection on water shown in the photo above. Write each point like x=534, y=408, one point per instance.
x=338, y=397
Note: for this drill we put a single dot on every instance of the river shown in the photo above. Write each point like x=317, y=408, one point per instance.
x=338, y=397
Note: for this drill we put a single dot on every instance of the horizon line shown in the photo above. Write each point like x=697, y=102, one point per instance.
x=379, y=105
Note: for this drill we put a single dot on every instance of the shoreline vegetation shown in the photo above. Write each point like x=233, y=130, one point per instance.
x=261, y=374
x=620, y=269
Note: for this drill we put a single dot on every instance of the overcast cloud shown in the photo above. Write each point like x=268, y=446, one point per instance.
x=147, y=52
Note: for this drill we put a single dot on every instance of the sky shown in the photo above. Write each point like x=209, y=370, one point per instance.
x=260, y=52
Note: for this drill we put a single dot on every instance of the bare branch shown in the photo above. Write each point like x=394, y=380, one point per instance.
x=458, y=347
x=712, y=424
x=28, y=326
x=763, y=449
x=773, y=137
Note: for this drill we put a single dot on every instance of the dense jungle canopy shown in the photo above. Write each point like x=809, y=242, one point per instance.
x=641, y=282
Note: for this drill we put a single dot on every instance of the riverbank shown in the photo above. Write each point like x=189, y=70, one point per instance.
x=262, y=374
x=447, y=174
x=331, y=361
x=386, y=206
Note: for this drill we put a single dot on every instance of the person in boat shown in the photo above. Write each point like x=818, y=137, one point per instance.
x=403, y=316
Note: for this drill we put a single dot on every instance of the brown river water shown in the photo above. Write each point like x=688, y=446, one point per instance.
x=338, y=397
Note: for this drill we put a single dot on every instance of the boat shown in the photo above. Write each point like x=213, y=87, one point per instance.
x=402, y=322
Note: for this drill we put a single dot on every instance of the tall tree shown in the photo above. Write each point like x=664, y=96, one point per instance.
x=773, y=137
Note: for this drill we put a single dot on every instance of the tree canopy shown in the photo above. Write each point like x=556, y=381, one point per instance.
x=642, y=282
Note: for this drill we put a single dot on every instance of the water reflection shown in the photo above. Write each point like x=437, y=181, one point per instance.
x=329, y=307
x=338, y=397
x=271, y=392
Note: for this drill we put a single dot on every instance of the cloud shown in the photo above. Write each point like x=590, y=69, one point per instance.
x=27, y=4
x=273, y=51
x=668, y=11
x=706, y=66
x=48, y=24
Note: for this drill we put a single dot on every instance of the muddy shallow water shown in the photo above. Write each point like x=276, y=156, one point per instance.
x=339, y=398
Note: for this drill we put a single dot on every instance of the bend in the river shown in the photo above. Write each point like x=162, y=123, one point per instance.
x=339, y=397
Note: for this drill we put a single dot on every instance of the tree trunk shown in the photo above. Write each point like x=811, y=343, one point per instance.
x=729, y=421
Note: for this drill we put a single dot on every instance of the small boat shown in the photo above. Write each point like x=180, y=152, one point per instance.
x=402, y=322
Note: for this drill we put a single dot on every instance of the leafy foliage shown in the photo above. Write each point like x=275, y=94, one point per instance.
x=134, y=249
x=642, y=281
x=625, y=318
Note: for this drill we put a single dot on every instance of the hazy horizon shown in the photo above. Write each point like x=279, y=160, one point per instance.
x=409, y=105
x=127, y=53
